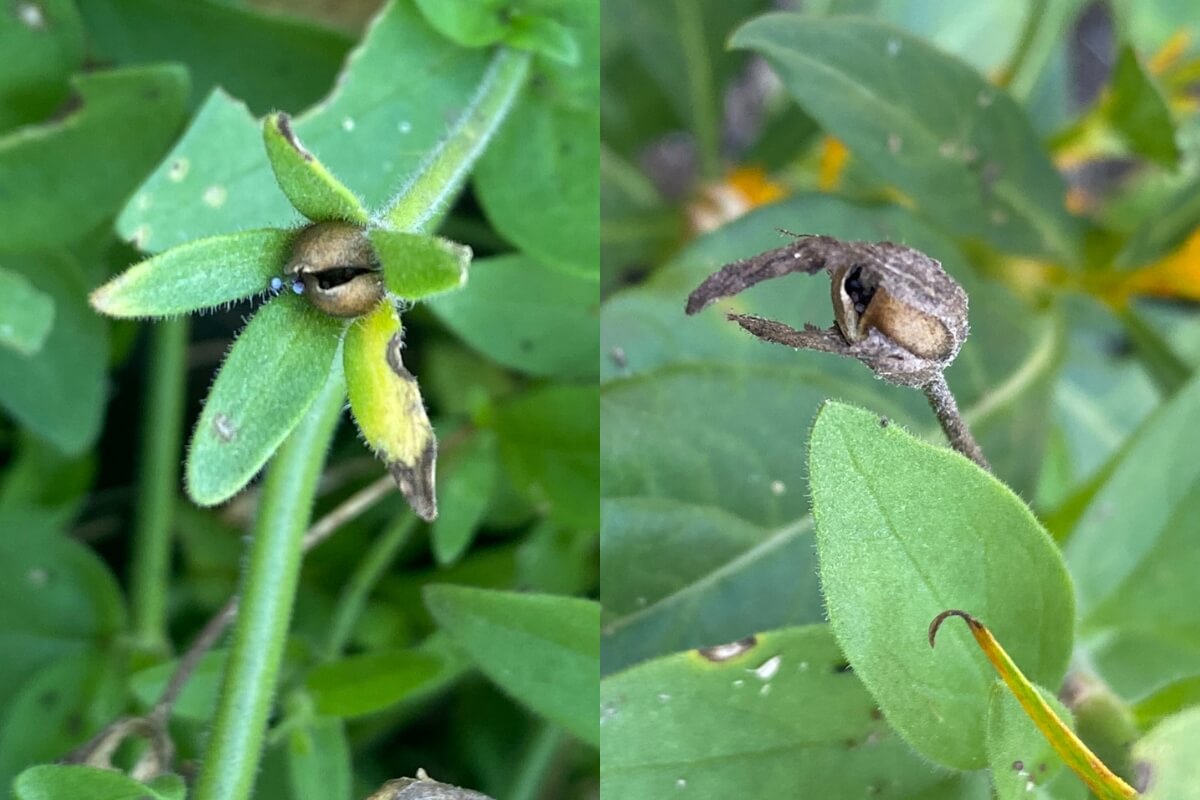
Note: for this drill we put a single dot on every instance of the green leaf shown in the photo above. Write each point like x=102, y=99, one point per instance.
x=1167, y=758
x=374, y=132
x=470, y=23
x=1136, y=533
x=1021, y=760
x=1137, y=109
x=549, y=442
x=57, y=782
x=59, y=394
x=61, y=179
x=539, y=184
x=57, y=600
x=546, y=37
x=47, y=715
x=465, y=494
x=906, y=530
x=42, y=44
x=542, y=649
x=1167, y=228
x=965, y=153
x=527, y=316
x=776, y=715
x=319, y=761
x=269, y=61
x=308, y=184
x=416, y=266
x=272, y=373
x=26, y=314
x=365, y=684
x=206, y=273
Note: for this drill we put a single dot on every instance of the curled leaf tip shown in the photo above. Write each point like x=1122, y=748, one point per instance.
x=284, y=123
x=416, y=481
x=952, y=612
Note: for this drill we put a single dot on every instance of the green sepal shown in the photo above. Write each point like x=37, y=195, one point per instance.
x=310, y=187
x=388, y=408
x=272, y=374
x=417, y=266
x=202, y=274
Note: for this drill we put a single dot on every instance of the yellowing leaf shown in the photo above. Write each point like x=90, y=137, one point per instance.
x=388, y=408
x=1177, y=275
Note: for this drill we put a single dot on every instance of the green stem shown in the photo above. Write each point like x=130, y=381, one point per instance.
x=1168, y=371
x=1029, y=33
x=530, y=781
x=157, y=484
x=426, y=197
x=368, y=572
x=268, y=592
x=702, y=95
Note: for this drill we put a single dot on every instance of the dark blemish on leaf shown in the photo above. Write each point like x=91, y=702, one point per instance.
x=876, y=713
x=1120, y=347
x=225, y=429
x=724, y=652
x=852, y=743
x=47, y=700
x=842, y=667
x=151, y=94
x=884, y=422
x=285, y=128
x=1143, y=775
x=1018, y=765
x=73, y=724
x=525, y=345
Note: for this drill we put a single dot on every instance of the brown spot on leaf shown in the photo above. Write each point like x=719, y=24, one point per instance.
x=843, y=667
x=284, y=123
x=1018, y=765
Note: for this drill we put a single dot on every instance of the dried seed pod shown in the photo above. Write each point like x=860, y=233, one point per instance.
x=337, y=268
x=895, y=308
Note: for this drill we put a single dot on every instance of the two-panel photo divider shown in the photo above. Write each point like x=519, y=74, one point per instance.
x=599, y=399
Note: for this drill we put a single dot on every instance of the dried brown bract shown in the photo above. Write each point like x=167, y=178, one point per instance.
x=895, y=308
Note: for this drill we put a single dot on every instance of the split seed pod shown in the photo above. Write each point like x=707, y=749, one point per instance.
x=895, y=308
x=337, y=267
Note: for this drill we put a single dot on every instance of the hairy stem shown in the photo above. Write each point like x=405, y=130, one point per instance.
x=267, y=596
x=944, y=406
x=158, y=483
x=422, y=202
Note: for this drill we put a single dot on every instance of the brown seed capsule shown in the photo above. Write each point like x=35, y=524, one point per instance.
x=337, y=268
x=895, y=308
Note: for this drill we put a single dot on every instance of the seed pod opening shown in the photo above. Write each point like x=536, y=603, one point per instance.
x=337, y=268
x=895, y=308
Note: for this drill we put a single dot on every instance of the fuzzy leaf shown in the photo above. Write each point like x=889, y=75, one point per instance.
x=1137, y=109
x=906, y=530
x=26, y=314
x=63, y=782
x=61, y=179
x=388, y=408
x=544, y=650
x=1018, y=753
x=202, y=274
x=417, y=266
x=371, y=682
x=309, y=185
x=272, y=373
x=1166, y=758
x=744, y=717
x=464, y=497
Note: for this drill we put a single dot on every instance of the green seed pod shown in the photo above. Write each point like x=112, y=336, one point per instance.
x=337, y=268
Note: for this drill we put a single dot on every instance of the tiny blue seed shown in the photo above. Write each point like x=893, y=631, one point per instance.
x=298, y=287
x=276, y=284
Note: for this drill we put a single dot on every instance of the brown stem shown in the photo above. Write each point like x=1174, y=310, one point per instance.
x=941, y=400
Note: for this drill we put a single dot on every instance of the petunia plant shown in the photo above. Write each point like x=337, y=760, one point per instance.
x=336, y=283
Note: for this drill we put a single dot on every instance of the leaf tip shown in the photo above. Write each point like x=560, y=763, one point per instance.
x=283, y=124
x=417, y=482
